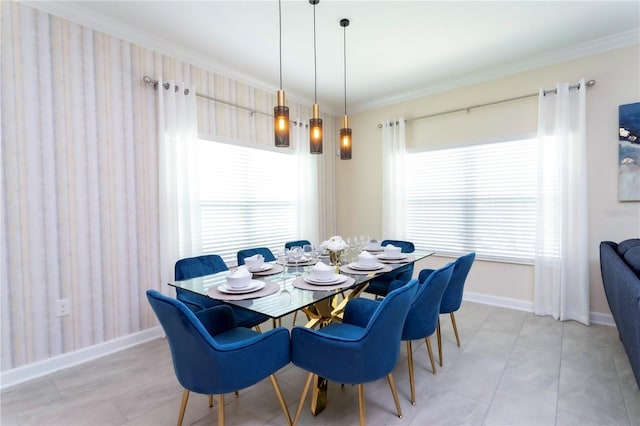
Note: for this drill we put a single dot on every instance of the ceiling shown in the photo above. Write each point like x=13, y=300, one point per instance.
x=396, y=50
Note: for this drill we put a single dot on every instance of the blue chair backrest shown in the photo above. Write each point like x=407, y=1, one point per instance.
x=193, y=350
x=298, y=243
x=193, y=267
x=422, y=318
x=382, y=337
x=264, y=251
x=452, y=297
x=406, y=246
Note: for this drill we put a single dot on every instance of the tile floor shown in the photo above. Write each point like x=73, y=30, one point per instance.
x=513, y=369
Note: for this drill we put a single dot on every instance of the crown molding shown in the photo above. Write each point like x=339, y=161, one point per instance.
x=72, y=11
x=593, y=47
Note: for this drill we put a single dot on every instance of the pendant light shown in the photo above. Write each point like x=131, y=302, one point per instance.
x=345, y=132
x=281, y=111
x=315, y=124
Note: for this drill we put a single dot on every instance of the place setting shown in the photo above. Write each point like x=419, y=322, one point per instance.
x=393, y=254
x=297, y=257
x=373, y=246
x=258, y=267
x=367, y=264
x=240, y=286
x=323, y=277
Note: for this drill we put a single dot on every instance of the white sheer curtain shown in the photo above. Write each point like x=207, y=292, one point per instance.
x=307, y=178
x=393, y=179
x=178, y=176
x=561, y=264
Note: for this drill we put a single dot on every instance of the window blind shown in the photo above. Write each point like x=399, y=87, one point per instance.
x=247, y=199
x=479, y=198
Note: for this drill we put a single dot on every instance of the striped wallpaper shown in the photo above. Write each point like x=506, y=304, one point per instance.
x=80, y=179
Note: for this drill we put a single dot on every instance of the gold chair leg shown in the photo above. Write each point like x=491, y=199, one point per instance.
x=303, y=396
x=237, y=393
x=221, y=410
x=392, y=385
x=183, y=406
x=455, y=329
x=433, y=364
x=411, y=383
x=361, y=404
x=210, y=400
x=276, y=388
x=439, y=336
x=257, y=327
x=295, y=315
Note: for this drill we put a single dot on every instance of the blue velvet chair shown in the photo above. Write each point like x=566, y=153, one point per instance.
x=212, y=356
x=193, y=267
x=363, y=348
x=452, y=298
x=380, y=286
x=298, y=243
x=422, y=318
x=264, y=251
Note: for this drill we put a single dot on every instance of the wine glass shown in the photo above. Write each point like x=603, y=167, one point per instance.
x=309, y=251
x=282, y=259
x=295, y=256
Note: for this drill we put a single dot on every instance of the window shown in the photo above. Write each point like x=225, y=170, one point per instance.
x=478, y=198
x=246, y=198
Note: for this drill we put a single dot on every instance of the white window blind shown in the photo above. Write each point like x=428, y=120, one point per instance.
x=248, y=199
x=478, y=198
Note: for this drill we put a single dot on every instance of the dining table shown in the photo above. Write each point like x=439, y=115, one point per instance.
x=285, y=288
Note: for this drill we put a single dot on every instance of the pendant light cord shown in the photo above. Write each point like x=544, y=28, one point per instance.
x=315, y=60
x=280, y=40
x=344, y=32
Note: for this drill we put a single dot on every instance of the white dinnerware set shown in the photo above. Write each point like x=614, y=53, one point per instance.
x=239, y=281
x=323, y=274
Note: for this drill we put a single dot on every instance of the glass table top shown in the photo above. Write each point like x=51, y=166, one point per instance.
x=288, y=298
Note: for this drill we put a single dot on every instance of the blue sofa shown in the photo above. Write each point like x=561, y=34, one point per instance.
x=620, y=267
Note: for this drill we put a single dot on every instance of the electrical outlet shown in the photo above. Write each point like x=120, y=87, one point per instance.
x=64, y=307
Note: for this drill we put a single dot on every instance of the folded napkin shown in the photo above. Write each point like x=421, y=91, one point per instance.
x=320, y=267
x=257, y=257
x=240, y=277
x=322, y=271
x=366, y=258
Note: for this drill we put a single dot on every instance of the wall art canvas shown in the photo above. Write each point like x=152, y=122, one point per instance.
x=629, y=152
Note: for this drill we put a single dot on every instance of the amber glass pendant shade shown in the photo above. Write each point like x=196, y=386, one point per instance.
x=315, y=131
x=345, y=144
x=281, y=122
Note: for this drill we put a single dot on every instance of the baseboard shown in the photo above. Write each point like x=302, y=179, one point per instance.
x=32, y=371
x=504, y=302
x=521, y=305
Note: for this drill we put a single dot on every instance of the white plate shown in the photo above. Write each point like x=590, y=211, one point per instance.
x=360, y=267
x=254, y=285
x=323, y=280
x=374, y=250
x=264, y=267
x=336, y=280
x=385, y=257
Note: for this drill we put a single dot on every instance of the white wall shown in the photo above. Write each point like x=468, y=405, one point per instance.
x=617, y=74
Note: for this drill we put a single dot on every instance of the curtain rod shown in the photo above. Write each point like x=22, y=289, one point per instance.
x=148, y=80
x=468, y=109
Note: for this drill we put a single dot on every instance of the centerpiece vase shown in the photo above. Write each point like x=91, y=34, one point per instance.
x=334, y=258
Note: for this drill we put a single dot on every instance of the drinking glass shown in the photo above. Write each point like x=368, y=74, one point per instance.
x=295, y=255
x=309, y=251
